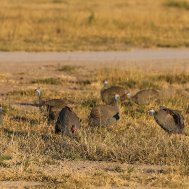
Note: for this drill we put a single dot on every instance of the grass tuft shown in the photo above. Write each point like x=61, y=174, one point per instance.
x=48, y=81
x=68, y=69
x=91, y=18
x=58, y=1
x=175, y=78
x=178, y=4
x=5, y=157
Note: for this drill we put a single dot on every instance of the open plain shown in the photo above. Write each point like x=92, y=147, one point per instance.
x=133, y=153
x=134, y=44
x=67, y=25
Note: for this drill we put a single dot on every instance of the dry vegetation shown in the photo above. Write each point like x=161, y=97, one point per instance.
x=51, y=25
x=134, y=152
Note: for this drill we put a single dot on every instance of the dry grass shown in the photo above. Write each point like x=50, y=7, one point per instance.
x=178, y=4
x=58, y=25
x=30, y=151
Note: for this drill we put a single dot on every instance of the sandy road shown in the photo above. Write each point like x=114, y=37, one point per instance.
x=132, y=55
x=171, y=60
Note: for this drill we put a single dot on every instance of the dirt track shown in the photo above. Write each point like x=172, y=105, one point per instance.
x=148, y=59
x=132, y=55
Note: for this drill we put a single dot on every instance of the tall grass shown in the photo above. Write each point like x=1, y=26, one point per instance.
x=58, y=25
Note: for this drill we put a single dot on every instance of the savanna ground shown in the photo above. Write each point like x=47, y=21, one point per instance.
x=59, y=25
x=133, y=153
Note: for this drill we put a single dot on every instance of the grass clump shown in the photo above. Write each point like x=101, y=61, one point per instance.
x=175, y=78
x=128, y=79
x=131, y=83
x=68, y=69
x=58, y=1
x=84, y=82
x=5, y=157
x=48, y=81
x=91, y=18
x=178, y=4
x=28, y=92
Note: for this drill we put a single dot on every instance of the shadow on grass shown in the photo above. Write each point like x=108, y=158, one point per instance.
x=24, y=119
x=48, y=81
